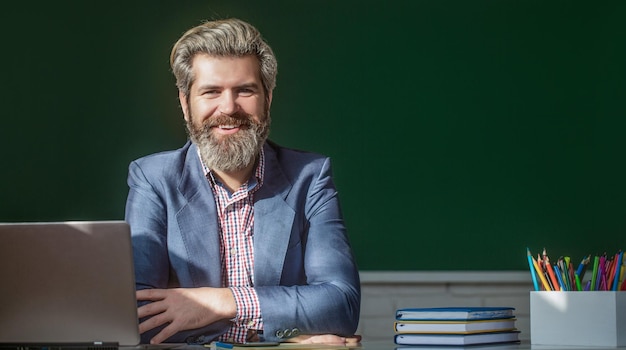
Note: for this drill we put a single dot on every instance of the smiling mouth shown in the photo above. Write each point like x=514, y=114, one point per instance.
x=228, y=127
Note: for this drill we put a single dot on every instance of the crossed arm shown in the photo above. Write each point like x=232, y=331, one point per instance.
x=190, y=308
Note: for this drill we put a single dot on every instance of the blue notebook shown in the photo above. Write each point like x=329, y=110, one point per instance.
x=454, y=313
x=457, y=339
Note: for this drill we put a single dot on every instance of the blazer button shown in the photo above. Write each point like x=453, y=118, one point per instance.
x=280, y=334
x=295, y=332
x=287, y=333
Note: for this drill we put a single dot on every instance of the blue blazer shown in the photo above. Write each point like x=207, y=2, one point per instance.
x=304, y=271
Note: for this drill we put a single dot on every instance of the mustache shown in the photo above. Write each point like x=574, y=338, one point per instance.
x=237, y=119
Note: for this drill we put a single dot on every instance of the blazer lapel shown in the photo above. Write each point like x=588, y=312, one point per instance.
x=198, y=223
x=199, y=227
x=273, y=221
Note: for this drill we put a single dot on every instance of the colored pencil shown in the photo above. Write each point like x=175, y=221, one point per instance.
x=557, y=272
x=532, y=269
x=594, y=276
x=542, y=277
x=617, y=270
x=578, y=285
x=582, y=267
x=549, y=268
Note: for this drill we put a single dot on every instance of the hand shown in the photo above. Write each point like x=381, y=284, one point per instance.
x=183, y=309
x=329, y=339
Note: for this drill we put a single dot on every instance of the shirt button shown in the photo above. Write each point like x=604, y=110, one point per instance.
x=233, y=251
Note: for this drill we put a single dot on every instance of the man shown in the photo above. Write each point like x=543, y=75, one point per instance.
x=234, y=237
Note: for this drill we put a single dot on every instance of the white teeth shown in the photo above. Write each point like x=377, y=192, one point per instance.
x=227, y=126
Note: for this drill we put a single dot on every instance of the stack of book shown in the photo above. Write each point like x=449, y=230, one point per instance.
x=455, y=326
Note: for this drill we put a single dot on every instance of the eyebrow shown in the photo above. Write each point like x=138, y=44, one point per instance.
x=249, y=85
x=244, y=85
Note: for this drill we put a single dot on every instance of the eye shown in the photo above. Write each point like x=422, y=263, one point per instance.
x=246, y=92
x=210, y=93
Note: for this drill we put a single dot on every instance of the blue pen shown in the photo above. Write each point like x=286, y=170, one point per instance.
x=532, y=270
x=219, y=344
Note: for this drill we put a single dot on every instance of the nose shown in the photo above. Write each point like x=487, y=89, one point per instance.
x=228, y=103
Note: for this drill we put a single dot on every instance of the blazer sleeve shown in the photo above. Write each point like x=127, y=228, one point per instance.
x=329, y=301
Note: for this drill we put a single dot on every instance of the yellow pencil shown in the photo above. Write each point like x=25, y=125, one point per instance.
x=544, y=281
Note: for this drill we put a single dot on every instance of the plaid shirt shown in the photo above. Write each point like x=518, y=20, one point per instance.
x=236, y=222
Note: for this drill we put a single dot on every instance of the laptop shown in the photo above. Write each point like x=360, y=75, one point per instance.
x=67, y=285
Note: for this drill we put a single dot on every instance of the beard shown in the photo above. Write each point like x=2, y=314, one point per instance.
x=232, y=152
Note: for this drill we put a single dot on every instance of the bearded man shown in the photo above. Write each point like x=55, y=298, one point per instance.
x=234, y=237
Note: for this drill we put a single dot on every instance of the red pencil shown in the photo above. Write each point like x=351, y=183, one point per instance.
x=555, y=282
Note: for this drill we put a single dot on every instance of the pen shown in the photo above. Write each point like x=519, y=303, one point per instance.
x=219, y=344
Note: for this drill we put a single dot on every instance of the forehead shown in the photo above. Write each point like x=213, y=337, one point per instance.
x=226, y=70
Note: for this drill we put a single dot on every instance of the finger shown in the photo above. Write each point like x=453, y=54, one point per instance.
x=153, y=322
x=164, y=334
x=150, y=294
x=329, y=339
x=150, y=309
x=355, y=339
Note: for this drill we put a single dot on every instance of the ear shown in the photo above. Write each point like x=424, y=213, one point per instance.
x=182, y=98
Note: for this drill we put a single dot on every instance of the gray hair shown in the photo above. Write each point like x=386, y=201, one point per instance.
x=222, y=38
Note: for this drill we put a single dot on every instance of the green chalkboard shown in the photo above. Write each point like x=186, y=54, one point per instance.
x=461, y=132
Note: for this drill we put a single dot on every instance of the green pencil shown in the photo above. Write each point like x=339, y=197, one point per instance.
x=594, y=277
x=578, y=286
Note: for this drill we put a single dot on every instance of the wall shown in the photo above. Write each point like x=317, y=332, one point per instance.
x=467, y=130
x=384, y=292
